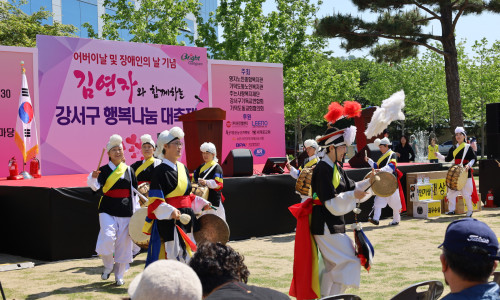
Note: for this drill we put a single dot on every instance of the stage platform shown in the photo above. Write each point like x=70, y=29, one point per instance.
x=55, y=217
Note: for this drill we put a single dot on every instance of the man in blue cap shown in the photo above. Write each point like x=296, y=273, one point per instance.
x=470, y=254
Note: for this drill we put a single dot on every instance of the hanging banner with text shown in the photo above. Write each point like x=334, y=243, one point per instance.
x=10, y=91
x=252, y=96
x=91, y=89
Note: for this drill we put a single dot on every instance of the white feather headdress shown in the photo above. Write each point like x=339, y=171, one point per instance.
x=390, y=110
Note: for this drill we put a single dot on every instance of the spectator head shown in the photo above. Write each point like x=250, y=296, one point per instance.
x=470, y=250
x=216, y=264
x=385, y=133
x=166, y=279
x=432, y=141
x=403, y=140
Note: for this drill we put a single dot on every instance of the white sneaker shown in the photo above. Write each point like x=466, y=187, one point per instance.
x=120, y=282
x=468, y=214
x=105, y=274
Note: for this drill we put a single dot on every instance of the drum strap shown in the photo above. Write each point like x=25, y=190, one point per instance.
x=209, y=170
x=466, y=148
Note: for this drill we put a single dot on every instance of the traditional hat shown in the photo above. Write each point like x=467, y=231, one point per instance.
x=336, y=137
x=114, y=140
x=461, y=130
x=166, y=137
x=210, y=148
x=146, y=139
x=384, y=141
x=166, y=279
x=311, y=143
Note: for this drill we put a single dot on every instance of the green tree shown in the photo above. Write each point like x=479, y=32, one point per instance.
x=20, y=29
x=153, y=21
x=403, y=22
x=311, y=87
x=310, y=83
x=480, y=82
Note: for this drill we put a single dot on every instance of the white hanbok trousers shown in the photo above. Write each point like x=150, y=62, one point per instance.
x=114, y=244
x=342, y=266
x=394, y=202
x=466, y=192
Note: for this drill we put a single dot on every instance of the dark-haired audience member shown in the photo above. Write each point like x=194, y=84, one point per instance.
x=470, y=254
x=404, y=150
x=224, y=275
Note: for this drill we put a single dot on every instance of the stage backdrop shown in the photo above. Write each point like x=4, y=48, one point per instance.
x=91, y=89
x=252, y=96
x=10, y=91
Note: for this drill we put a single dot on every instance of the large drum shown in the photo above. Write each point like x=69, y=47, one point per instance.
x=456, y=177
x=135, y=228
x=201, y=191
x=212, y=229
x=385, y=186
x=303, y=185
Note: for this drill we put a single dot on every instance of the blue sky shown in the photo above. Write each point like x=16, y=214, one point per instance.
x=471, y=27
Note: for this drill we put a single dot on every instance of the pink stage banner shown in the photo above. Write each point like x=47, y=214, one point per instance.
x=91, y=89
x=10, y=91
x=252, y=96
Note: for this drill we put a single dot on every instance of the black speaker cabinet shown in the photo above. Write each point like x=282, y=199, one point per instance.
x=492, y=118
x=239, y=162
x=488, y=179
x=493, y=145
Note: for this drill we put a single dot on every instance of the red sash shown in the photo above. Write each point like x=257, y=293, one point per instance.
x=301, y=286
x=181, y=201
x=118, y=193
x=177, y=202
x=401, y=192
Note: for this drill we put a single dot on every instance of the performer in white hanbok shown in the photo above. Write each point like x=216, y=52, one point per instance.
x=311, y=147
x=396, y=201
x=209, y=174
x=144, y=169
x=169, y=197
x=115, y=181
x=462, y=153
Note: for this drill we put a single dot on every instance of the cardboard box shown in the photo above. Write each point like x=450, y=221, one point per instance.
x=461, y=207
x=427, y=209
x=437, y=178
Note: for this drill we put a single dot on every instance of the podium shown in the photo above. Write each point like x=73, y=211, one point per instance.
x=202, y=126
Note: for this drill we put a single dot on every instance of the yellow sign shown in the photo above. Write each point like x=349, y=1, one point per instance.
x=439, y=187
x=433, y=209
x=425, y=192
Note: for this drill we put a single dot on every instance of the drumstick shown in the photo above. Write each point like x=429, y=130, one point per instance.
x=140, y=195
x=375, y=179
x=100, y=160
x=497, y=163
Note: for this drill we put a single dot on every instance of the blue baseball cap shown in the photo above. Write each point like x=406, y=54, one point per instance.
x=464, y=234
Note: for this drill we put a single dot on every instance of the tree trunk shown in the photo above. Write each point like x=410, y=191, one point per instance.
x=451, y=67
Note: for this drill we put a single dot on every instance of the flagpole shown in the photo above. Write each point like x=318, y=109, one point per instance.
x=25, y=174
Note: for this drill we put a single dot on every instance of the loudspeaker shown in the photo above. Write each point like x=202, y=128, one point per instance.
x=488, y=178
x=493, y=145
x=239, y=162
x=492, y=118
